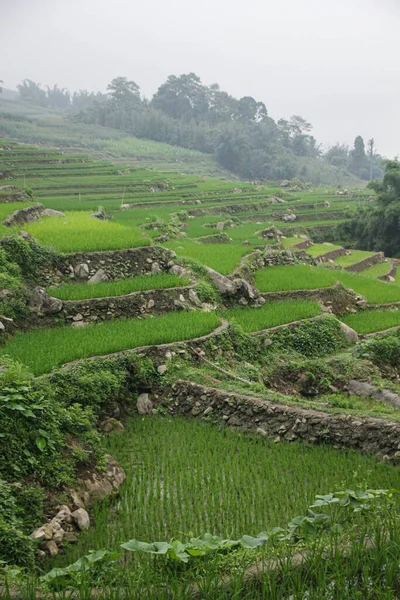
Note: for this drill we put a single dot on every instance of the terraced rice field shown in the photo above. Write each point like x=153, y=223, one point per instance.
x=350, y=259
x=295, y=277
x=373, y=320
x=272, y=314
x=239, y=479
x=321, y=249
x=221, y=257
x=79, y=232
x=45, y=349
x=104, y=289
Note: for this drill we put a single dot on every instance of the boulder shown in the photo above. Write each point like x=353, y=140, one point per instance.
x=222, y=283
x=52, y=548
x=162, y=369
x=81, y=518
x=50, y=212
x=350, y=334
x=220, y=226
x=178, y=270
x=100, y=275
x=109, y=425
x=193, y=297
x=99, y=485
x=155, y=268
x=41, y=303
x=144, y=405
x=81, y=271
x=99, y=214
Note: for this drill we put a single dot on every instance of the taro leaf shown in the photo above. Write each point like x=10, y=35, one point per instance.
x=154, y=548
x=178, y=552
x=249, y=542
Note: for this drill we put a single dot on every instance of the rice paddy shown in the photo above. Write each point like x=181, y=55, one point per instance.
x=221, y=257
x=79, y=232
x=46, y=349
x=272, y=314
x=373, y=320
x=295, y=277
x=189, y=476
x=355, y=256
x=321, y=249
x=120, y=287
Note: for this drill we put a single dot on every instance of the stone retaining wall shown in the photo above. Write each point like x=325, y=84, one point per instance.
x=337, y=298
x=390, y=274
x=150, y=302
x=302, y=245
x=331, y=255
x=283, y=422
x=367, y=262
x=117, y=264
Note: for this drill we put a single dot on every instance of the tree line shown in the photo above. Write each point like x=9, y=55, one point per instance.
x=238, y=132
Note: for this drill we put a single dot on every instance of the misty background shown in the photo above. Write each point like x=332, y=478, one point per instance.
x=336, y=64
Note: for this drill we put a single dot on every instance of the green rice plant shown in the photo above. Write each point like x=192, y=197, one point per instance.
x=43, y=350
x=293, y=277
x=306, y=277
x=350, y=259
x=272, y=314
x=370, y=321
x=80, y=232
x=120, y=287
x=172, y=462
x=221, y=257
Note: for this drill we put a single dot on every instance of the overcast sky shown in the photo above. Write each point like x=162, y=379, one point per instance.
x=335, y=62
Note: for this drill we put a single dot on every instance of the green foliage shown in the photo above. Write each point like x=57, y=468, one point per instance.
x=207, y=292
x=380, y=350
x=102, y=383
x=370, y=321
x=15, y=547
x=30, y=256
x=314, y=338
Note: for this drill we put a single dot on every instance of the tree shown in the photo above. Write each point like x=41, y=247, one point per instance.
x=358, y=159
x=29, y=91
x=337, y=155
x=123, y=91
x=371, y=148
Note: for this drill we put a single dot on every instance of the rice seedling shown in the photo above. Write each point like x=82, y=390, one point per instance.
x=42, y=350
x=103, y=289
x=272, y=314
x=80, y=232
x=221, y=257
x=188, y=476
x=373, y=320
x=354, y=257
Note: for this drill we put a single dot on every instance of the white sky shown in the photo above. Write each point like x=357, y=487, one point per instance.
x=335, y=62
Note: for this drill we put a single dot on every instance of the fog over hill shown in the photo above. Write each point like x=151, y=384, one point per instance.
x=335, y=64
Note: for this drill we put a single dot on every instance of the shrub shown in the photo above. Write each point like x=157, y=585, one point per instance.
x=381, y=350
x=30, y=256
x=207, y=292
x=313, y=338
x=15, y=547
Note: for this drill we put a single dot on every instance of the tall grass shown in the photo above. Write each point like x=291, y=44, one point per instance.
x=272, y=314
x=79, y=232
x=43, y=350
x=103, y=289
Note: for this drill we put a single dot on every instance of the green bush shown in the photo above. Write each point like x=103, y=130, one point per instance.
x=15, y=547
x=29, y=255
x=207, y=292
x=100, y=383
x=381, y=350
x=38, y=432
x=318, y=337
